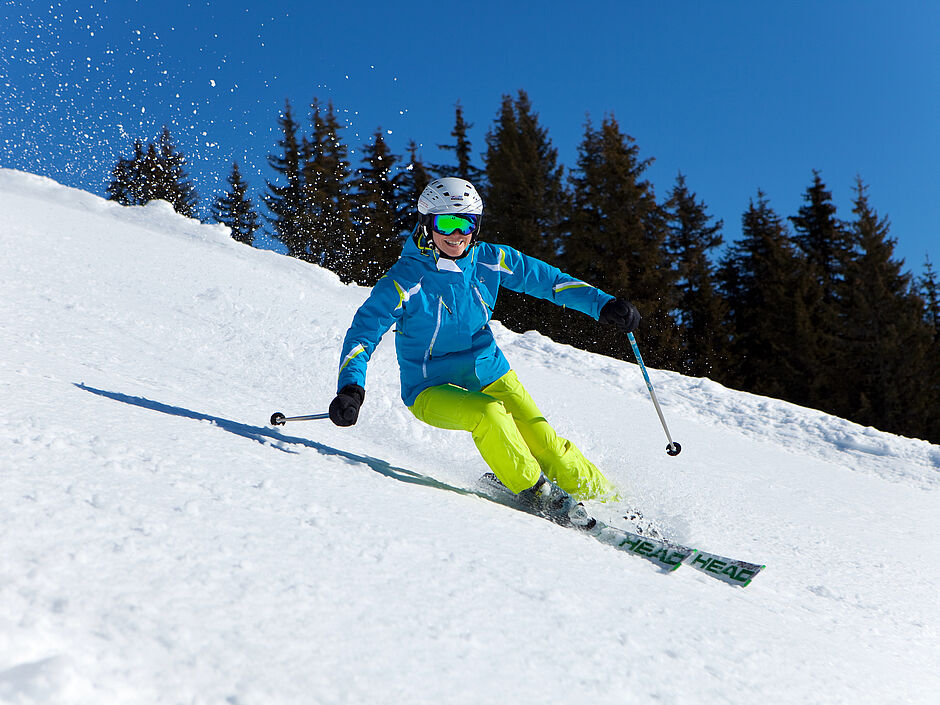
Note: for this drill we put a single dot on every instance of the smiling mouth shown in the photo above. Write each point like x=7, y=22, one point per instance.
x=452, y=243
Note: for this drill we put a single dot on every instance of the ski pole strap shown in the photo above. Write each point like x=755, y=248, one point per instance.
x=672, y=448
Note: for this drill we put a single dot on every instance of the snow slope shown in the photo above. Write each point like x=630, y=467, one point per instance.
x=159, y=543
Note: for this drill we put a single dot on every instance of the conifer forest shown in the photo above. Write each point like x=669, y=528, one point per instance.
x=812, y=307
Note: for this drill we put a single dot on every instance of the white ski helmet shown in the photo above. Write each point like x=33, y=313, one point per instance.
x=450, y=195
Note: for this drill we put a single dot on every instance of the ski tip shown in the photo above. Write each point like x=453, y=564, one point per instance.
x=756, y=572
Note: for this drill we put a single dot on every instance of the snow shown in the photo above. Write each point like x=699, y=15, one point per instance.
x=160, y=543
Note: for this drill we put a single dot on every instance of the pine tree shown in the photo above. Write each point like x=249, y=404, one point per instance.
x=525, y=195
x=928, y=289
x=770, y=294
x=152, y=173
x=928, y=292
x=313, y=185
x=234, y=209
x=326, y=172
x=376, y=214
x=825, y=242
x=288, y=202
x=822, y=237
x=126, y=182
x=461, y=148
x=525, y=201
x=411, y=183
x=175, y=186
x=616, y=240
x=701, y=309
x=882, y=328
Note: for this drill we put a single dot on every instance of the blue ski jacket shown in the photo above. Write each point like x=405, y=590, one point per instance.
x=441, y=310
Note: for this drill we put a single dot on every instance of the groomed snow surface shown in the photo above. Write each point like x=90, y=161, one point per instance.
x=160, y=543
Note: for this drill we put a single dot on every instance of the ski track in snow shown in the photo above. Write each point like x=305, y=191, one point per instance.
x=159, y=543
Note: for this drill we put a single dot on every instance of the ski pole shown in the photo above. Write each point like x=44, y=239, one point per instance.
x=672, y=448
x=278, y=419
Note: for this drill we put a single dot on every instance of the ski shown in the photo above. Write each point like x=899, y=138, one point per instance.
x=667, y=555
x=670, y=555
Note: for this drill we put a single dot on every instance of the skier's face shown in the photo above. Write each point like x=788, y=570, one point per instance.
x=453, y=245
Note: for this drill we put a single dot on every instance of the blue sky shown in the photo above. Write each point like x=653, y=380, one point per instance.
x=735, y=95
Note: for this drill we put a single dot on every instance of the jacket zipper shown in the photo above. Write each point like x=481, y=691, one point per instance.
x=486, y=306
x=437, y=329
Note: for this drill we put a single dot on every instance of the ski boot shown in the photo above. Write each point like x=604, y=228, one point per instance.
x=553, y=503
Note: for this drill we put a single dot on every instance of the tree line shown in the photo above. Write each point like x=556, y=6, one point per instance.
x=813, y=308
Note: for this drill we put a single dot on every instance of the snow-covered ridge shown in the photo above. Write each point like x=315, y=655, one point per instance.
x=160, y=543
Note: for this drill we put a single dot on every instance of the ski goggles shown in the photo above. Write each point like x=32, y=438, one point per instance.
x=450, y=223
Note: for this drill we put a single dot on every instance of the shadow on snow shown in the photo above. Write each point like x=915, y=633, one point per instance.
x=274, y=438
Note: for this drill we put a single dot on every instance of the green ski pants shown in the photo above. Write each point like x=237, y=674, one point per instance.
x=513, y=437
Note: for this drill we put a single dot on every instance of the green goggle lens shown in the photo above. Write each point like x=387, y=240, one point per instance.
x=464, y=223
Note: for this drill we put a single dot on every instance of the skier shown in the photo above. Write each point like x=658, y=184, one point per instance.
x=440, y=296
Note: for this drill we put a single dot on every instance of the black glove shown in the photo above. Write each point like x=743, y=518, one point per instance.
x=620, y=313
x=344, y=409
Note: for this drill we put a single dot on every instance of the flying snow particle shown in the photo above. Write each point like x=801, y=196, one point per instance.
x=212, y=82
